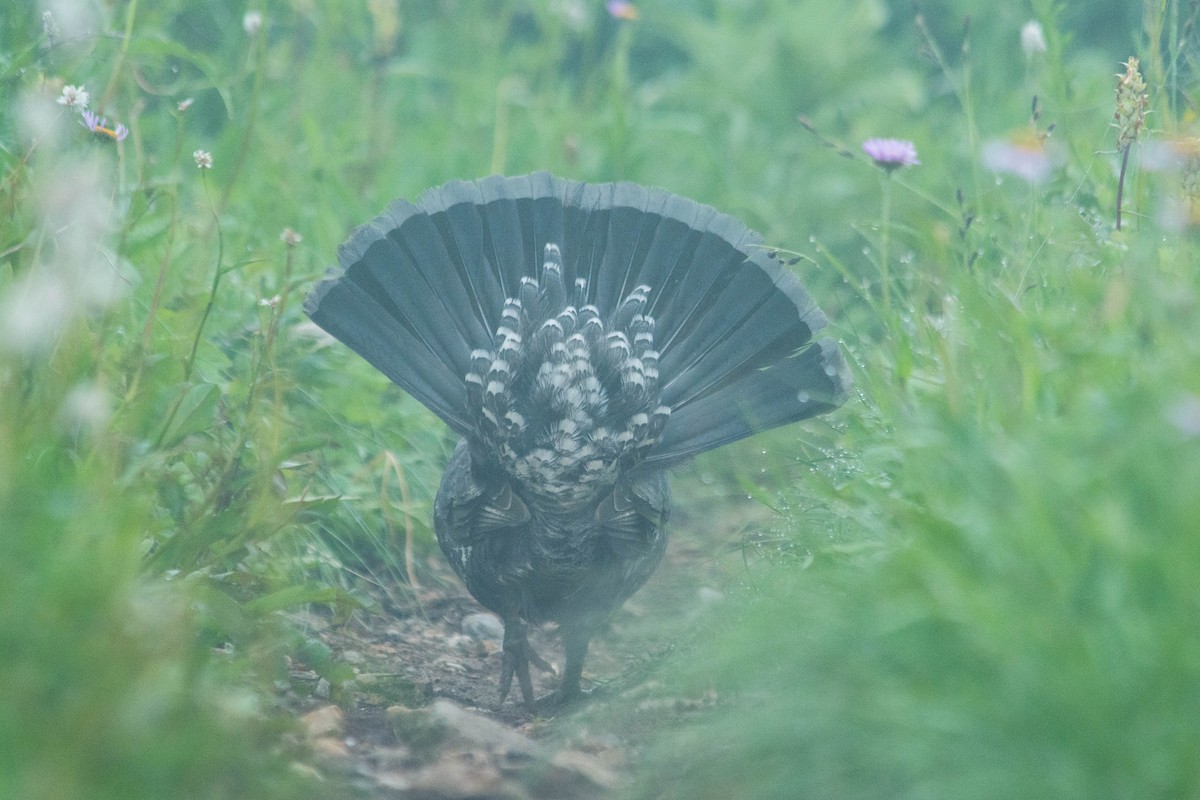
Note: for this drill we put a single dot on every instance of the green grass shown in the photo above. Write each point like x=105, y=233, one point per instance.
x=1003, y=524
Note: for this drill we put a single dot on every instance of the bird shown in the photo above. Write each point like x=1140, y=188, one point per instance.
x=581, y=339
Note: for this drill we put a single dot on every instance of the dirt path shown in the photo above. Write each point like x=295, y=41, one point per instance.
x=420, y=717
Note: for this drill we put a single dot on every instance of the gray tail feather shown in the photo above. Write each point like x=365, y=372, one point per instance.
x=423, y=285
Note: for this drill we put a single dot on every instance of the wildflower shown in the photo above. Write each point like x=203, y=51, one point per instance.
x=573, y=12
x=891, y=154
x=203, y=159
x=269, y=302
x=78, y=274
x=50, y=28
x=621, y=9
x=85, y=407
x=290, y=237
x=99, y=126
x=75, y=97
x=1184, y=415
x=1132, y=102
x=1025, y=155
x=1033, y=38
x=252, y=23
x=185, y=104
x=1180, y=157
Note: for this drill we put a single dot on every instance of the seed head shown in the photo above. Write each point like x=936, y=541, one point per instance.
x=1132, y=103
x=50, y=28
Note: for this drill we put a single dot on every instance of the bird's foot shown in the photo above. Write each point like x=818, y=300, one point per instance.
x=562, y=700
x=518, y=655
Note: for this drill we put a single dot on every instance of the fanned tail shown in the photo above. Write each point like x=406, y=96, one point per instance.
x=423, y=286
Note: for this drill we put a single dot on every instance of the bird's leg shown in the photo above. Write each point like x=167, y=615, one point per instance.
x=516, y=660
x=575, y=647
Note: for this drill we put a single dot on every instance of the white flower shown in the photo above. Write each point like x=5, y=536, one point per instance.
x=1033, y=38
x=290, y=237
x=203, y=159
x=50, y=27
x=86, y=407
x=573, y=12
x=75, y=273
x=75, y=97
x=252, y=22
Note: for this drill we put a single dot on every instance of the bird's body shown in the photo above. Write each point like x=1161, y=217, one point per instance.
x=581, y=339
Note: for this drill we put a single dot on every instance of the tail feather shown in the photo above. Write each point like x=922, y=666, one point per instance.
x=424, y=285
x=352, y=313
x=461, y=227
x=749, y=325
x=672, y=249
x=630, y=228
x=514, y=216
x=433, y=297
x=695, y=285
x=802, y=386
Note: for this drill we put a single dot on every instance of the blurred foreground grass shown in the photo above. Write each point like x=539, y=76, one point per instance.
x=998, y=596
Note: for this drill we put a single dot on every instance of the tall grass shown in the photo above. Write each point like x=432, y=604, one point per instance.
x=1016, y=614
x=1001, y=527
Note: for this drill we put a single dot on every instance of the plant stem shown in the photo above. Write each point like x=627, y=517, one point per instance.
x=156, y=298
x=885, y=213
x=504, y=90
x=1121, y=182
x=190, y=363
x=122, y=54
x=257, y=68
x=212, y=292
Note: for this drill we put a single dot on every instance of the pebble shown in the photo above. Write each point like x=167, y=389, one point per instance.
x=483, y=627
x=324, y=721
x=476, y=756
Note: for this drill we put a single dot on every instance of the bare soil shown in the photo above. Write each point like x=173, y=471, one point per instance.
x=420, y=718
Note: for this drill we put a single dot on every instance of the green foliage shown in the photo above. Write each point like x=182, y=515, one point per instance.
x=995, y=593
x=1034, y=635
x=999, y=598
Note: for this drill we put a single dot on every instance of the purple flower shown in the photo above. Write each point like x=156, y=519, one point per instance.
x=99, y=126
x=621, y=9
x=1024, y=155
x=891, y=154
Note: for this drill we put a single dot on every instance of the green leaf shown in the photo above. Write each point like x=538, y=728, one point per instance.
x=296, y=596
x=195, y=413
